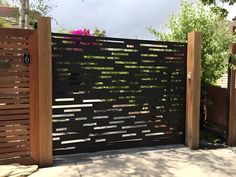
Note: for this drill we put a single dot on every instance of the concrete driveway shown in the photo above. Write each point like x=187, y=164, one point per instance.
x=161, y=161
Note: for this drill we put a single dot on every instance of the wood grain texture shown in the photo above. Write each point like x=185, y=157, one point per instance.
x=232, y=97
x=14, y=96
x=45, y=91
x=34, y=97
x=193, y=89
x=14, y=32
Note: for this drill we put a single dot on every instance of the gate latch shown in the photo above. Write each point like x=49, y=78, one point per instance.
x=27, y=58
x=189, y=76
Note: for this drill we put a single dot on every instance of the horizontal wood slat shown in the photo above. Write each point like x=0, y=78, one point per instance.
x=18, y=68
x=9, y=51
x=15, y=138
x=15, y=33
x=14, y=150
x=14, y=96
x=10, y=57
x=12, y=154
x=15, y=100
x=14, y=46
x=14, y=90
x=14, y=117
x=13, y=40
x=13, y=144
x=26, y=160
x=15, y=74
x=15, y=122
x=15, y=106
x=16, y=128
x=14, y=112
x=15, y=84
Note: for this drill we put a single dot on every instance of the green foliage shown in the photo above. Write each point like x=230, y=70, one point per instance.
x=215, y=33
x=218, y=9
x=99, y=33
x=41, y=6
x=44, y=7
x=4, y=23
x=36, y=9
x=3, y=2
x=63, y=30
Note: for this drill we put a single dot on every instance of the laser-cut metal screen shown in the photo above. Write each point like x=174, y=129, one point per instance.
x=113, y=93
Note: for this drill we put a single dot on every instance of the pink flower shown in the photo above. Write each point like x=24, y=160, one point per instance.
x=83, y=32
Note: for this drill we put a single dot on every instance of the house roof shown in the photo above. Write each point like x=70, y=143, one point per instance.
x=12, y=11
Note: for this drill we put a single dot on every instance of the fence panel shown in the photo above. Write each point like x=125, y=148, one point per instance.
x=116, y=93
x=216, y=112
x=14, y=96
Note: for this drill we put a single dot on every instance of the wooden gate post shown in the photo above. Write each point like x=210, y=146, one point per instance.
x=45, y=91
x=231, y=141
x=41, y=93
x=193, y=89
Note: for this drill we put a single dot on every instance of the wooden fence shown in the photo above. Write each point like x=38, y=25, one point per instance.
x=14, y=95
x=223, y=109
x=26, y=94
x=216, y=106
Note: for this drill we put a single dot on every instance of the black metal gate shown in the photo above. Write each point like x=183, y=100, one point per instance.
x=116, y=93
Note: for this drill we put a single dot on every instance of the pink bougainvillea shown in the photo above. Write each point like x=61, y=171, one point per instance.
x=83, y=32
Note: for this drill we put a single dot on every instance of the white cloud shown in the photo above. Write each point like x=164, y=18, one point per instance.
x=120, y=18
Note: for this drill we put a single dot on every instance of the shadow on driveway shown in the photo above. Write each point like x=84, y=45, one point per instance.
x=161, y=161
